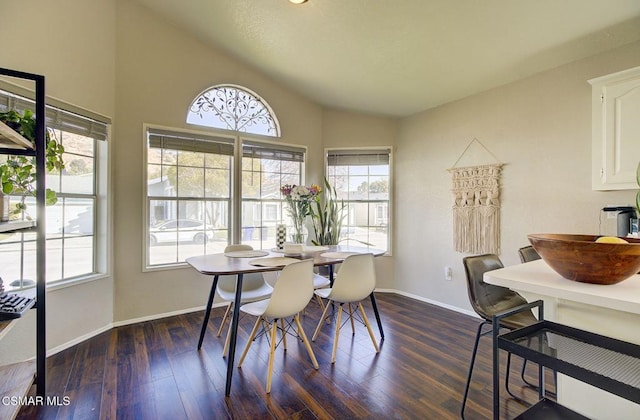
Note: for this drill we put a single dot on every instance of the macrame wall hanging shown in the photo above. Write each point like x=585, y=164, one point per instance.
x=476, y=207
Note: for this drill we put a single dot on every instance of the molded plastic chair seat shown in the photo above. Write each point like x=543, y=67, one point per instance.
x=320, y=282
x=292, y=293
x=253, y=291
x=356, y=282
x=254, y=288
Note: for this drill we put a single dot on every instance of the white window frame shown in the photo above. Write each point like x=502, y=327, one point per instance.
x=236, y=199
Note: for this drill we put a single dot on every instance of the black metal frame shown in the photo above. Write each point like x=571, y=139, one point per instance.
x=479, y=334
x=40, y=155
x=513, y=343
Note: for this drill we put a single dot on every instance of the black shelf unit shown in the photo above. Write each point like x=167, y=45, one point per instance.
x=604, y=362
x=9, y=147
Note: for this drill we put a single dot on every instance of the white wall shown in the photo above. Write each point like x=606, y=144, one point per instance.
x=72, y=43
x=540, y=128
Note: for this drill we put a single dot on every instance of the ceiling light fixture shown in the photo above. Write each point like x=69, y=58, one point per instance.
x=298, y=1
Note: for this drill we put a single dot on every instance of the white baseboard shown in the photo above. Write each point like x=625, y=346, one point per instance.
x=433, y=302
x=78, y=340
x=164, y=315
x=107, y=327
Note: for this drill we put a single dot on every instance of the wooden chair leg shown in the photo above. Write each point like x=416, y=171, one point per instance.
x=284, y=334
x=320, y=302
x=224, y=318
x=306, y=342
x=274, y=327
x=227, y=341
x=251, y=337
x=366, y=322
x=324, y=314
x=335, y=339
x=353, y=327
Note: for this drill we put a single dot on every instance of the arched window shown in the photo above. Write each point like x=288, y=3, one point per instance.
x=234, y=108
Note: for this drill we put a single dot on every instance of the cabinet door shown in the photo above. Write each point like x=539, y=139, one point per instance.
x=616, y=130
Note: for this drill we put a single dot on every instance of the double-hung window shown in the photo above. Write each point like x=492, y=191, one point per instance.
x=76, y=226
x=197, y=203
x=189, y=187
x=362, y=179
x=265, y=168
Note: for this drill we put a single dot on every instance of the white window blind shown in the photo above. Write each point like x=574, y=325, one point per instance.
x=57, y=118
x=358, y=157
x=189, y=142
x=257, y=150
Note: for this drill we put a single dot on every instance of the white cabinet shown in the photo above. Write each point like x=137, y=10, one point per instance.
x=616, y=130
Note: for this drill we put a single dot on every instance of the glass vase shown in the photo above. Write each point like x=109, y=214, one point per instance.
x=299, y=234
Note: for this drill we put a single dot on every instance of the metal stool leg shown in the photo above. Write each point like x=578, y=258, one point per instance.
x=473, y=360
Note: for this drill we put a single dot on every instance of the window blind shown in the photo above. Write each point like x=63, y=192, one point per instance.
x=355, y=157
x=258, y=150
x=190, y=142
x=56, y=118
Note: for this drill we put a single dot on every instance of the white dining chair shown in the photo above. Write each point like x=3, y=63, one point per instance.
x=320, y=282
x=356, y=282
x=291, y=294
x=254, y=288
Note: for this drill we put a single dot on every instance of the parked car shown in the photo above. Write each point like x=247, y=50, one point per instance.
x=178, y=230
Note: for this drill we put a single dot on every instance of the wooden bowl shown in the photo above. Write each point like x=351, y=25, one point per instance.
x=580, y=258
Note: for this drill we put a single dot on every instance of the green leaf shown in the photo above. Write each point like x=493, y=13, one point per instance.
x=50, y=197
x=7, y=187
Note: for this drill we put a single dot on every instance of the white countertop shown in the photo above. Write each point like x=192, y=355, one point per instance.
x=538, y=278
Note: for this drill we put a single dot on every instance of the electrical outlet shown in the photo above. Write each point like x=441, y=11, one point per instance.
x=448, y=274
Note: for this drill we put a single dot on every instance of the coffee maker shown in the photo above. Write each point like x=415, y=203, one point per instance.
x=617, y=220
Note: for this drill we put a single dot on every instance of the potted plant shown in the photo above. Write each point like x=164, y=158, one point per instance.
x=327, y=215
x=17, y=172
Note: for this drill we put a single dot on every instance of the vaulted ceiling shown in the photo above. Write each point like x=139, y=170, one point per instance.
x=400, y=57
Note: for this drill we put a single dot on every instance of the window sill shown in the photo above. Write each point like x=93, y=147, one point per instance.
x=62, y=284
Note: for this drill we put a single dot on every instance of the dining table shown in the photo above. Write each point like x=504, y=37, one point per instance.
x=239, y=263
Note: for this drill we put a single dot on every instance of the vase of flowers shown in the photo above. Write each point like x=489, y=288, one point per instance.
x=299, y=199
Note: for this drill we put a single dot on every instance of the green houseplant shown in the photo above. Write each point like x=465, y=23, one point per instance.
x=18, y=173
x=327, y=215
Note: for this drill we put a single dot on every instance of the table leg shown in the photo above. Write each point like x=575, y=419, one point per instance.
x=375, y=311
x=234, y=333
x=331, y=275
x=207, y=313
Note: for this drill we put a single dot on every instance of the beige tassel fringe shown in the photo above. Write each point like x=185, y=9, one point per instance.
x=476, y=209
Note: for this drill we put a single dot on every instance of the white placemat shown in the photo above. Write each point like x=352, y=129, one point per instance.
x=273, y=261
x=246, y=254
x=338, y=255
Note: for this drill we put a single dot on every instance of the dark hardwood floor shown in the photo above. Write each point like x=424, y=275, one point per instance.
x=152, y=370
